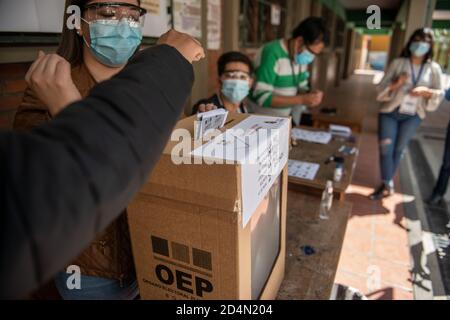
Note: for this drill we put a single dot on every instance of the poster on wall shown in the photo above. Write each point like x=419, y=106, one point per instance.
x=187, y=15
x=31, y=16
x=157, y=20
x=152, y=6
x=275, y=14
x=214, y=24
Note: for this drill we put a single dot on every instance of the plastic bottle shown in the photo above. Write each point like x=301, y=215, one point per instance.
x=338, y=172
x=327, y=201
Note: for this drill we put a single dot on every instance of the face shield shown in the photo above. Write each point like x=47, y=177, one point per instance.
x=115, y=12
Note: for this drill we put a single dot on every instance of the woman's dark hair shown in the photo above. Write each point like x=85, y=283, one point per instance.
x=71, y=44
x=233, y=56
x=423, y=34
x=312, y=30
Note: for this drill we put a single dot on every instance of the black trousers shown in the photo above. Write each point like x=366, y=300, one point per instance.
x=444, y=176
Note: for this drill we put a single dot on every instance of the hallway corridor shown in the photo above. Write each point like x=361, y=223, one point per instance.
x=375, y=257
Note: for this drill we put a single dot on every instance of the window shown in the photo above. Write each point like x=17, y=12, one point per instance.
x=256, y=22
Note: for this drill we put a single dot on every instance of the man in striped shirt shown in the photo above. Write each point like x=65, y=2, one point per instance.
x=282, y=70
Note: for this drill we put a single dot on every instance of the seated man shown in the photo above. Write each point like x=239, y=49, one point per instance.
x=235, y=79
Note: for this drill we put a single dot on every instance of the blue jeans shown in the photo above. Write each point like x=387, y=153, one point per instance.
x=96, y=288
x=395, y=132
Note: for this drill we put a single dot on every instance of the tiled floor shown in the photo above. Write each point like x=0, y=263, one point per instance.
x=375, y=257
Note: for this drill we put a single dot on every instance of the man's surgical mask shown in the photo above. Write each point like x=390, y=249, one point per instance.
x=114, y=42
x=419, y=48
x=235, y=90
x=305, y=57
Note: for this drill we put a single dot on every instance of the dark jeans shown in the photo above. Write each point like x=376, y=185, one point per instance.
x=395, y=132
x=96, y=288
x=444, y=176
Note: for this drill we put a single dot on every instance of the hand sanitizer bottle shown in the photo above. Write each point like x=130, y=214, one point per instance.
x=327, y=201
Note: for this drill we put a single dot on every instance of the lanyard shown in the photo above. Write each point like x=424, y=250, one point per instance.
x=414, y=79
x=296, y=77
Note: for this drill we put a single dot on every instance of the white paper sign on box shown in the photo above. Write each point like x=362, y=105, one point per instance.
x=260, y=145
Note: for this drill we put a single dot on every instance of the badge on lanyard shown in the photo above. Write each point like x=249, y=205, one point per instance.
x=410, y=103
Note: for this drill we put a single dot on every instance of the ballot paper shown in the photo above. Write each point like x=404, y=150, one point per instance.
x=208, y=121
x=341, y=131
x=311, y=136
x=303, y=170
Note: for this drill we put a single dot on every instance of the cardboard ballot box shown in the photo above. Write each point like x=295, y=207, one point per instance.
x=215, y=230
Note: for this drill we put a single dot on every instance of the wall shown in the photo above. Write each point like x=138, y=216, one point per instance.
x=380, y=43
x=206, y=76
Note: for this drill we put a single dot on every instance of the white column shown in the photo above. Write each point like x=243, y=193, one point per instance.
x=420, y=13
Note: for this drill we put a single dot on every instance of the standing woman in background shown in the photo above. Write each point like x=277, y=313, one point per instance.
x=411, y=87
x=110, y=34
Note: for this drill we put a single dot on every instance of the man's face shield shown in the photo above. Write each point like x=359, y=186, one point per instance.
x=115, y=12
x=235, y=75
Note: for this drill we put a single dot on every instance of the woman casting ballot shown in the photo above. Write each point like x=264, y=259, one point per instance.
x=411, y=87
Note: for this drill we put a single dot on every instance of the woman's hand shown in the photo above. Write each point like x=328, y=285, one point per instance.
x=422, y=92
x=206, y=107
x=50, y=78
x=399, y=82
x=188, y=46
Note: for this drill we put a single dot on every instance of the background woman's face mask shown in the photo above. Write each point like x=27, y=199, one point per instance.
x=419, y=48
x=114, y=42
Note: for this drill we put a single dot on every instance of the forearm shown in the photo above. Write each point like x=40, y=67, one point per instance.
x=283, y=102
x=66, y=181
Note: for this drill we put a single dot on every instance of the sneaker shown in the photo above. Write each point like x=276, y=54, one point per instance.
x=382, y=192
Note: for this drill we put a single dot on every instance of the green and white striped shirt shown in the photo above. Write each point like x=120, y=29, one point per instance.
x=276, y=74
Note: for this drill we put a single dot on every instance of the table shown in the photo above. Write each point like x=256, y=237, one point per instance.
x=319, y=153
x=312, y=277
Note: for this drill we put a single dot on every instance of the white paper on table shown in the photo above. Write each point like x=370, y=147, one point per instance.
x=311, y=136
x=340, y=130
x=303, y=170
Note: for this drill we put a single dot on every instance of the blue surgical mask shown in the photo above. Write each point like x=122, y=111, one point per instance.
x=419, y=48
x=235, y=90
x=305, y=57
x=114, y=42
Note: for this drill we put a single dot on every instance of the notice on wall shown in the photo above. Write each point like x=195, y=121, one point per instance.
x=152, y=6
x=31, y=16
x=187, y=15
x=158, y=20
x=275, y=14
x=214, y=24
